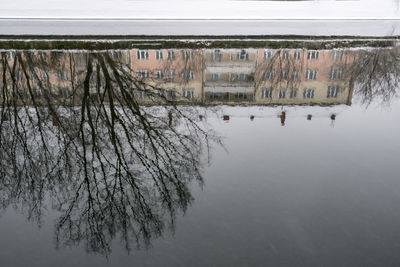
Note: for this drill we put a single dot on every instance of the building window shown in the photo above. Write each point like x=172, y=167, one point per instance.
x=43, y=56
x=189, y=94
x=268, y=54
x=284, y=74
x=242, y=55
x=20, y=75
x=33, y=75
x=144, y=94
x=161, y=92
x=312, y=55
x=188, y=75
x=115, y=55
x=240, y=95
x=293, y=93
x=216, y=76
x=297, y=55
x=159, y=74
x=285, y=54
x=45, y=76
x=308, y=93
x=333, y=91
x=171, y=94
x=242, y=76
x=142, y=54
x=216, y=55
x=311, y=74
x=336, y=73
x=216, y=95
x=10, y=55
x=282, y=94
x=62, y=75
x=295, y=75
x=268, y=75
x=171, y=54
x=159, y=54
x=171, y=74
x=187, y=54
x=63, y=92
x=65, y=75
x=266, y=93
x=337, y=55
x=143, y=74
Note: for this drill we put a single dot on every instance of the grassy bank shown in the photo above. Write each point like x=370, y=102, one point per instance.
x=24, y=42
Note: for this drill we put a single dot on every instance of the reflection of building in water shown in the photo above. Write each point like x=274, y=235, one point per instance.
x=209, y=76
x=30, y=72
x=173, y=73
x=258, y=76
x=229, y=75
x=57, y=73
x=299, y=76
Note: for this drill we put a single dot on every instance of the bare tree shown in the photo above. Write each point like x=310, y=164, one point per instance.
x=109, y=165
x=376, y=74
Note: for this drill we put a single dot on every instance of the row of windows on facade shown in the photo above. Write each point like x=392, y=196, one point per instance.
x=44, y=75
x=335, y=73
x=269, y=54
x=216, y=55
x=215, y=76
x=11, y=55
x=144, y=54
x=186, y=74
x=219, y=95
x=308, y=93
x=37, y=92
x=186, y=54
x=311, y=55
x=170, y=94
x=241, y=55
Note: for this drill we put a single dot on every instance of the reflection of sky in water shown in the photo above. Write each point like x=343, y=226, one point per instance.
x=306, y=192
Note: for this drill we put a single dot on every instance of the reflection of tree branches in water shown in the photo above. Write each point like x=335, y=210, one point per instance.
x=111, y=166
x=271, y=70
x=376, y=74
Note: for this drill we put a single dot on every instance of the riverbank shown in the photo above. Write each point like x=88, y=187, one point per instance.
x=24, y=42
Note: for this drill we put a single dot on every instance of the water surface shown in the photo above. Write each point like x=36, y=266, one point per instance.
x=205, y=157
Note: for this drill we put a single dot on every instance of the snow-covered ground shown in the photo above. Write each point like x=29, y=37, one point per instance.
x=201, y=27
x=200, y=9
x=206, y=17
x=273, y=112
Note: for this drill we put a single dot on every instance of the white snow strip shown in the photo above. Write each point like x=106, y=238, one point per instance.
x=196, y=9
x=202, y=27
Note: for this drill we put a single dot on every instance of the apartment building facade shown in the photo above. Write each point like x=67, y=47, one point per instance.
x=229, y=75
x=300, y=76
x=175, y=74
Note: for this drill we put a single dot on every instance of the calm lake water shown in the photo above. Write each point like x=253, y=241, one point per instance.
x=204, y=157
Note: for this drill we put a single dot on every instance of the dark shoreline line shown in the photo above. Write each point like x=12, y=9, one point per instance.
x=83, y=37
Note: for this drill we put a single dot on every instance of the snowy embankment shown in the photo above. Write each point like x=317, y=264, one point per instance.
x=194, y=17
x=196, y=9
x=271, y=111
x=202, y=27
